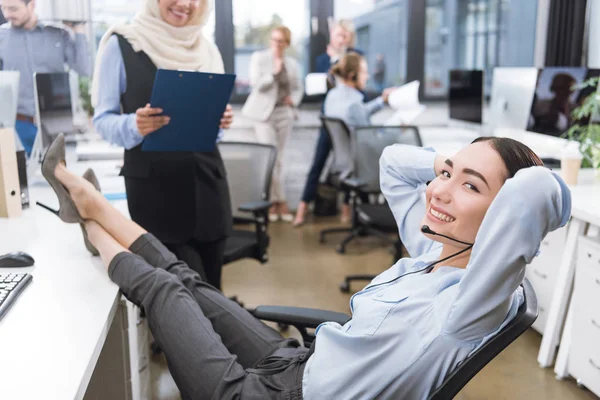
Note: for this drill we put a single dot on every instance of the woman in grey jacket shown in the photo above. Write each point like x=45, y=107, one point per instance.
x=276, y=91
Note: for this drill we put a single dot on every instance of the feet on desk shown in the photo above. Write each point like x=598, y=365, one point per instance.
x=53, y=160
x=75, y=194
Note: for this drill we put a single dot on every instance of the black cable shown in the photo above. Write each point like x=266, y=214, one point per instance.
x=423, y=269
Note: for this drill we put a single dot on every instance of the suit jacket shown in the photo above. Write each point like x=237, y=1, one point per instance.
x=262, y=99
x=323, y=62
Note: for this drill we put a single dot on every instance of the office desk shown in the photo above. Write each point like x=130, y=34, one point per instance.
x=585, y=213
x=53, y=334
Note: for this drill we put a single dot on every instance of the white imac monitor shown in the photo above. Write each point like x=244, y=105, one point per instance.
x=510, y=105
x=54, y=109
x=9, y=95
x=53, y=113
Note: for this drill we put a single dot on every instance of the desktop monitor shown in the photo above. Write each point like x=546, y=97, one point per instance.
x=555, y=99
x=466, y=95
x=512, y=95
x=54, y=113
x=9, y=95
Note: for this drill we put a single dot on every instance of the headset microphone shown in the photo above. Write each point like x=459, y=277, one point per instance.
x=426, y=229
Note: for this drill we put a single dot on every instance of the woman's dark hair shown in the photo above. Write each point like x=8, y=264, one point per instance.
x=515, y=154
x=348, y=67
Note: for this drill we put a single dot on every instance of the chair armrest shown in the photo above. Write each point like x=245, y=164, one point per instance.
x=255, y=206
x=353, y=183
x=299, y=316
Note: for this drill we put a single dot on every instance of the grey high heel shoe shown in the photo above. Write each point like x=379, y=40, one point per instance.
x=90, y=176
x=67, y=211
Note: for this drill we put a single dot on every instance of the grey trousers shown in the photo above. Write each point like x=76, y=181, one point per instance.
x=215, y=349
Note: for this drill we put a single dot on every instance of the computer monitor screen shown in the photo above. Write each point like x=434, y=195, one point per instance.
x=555, y=99
x=53, y=94
x=9, y=94
x=512, y=94
x=466, y=95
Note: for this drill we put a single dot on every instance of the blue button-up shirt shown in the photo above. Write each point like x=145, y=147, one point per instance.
x=406, y=336
x=43, y=49
x=347, y=103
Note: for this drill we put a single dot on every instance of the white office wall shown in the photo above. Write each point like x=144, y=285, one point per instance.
x=63, y=10
x=593, y=46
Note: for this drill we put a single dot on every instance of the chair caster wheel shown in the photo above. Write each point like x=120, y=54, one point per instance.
x=345, y=287
x=155, y=349
x=340, y=250
x=283, y=327
x=322, y=240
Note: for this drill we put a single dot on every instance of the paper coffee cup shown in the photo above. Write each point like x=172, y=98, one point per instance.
x=570, y=163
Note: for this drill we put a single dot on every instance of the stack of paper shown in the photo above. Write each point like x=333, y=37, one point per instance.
x=405, y=100
x=315, y=83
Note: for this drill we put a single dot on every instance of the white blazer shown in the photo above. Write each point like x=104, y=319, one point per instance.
x=262, y=99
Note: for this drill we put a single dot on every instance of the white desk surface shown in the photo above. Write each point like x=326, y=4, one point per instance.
x=586, y=203
x=53, y=334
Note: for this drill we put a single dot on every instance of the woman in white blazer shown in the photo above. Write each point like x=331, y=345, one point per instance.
x=276, y=91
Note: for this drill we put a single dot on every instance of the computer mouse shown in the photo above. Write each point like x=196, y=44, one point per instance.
x=16, y=259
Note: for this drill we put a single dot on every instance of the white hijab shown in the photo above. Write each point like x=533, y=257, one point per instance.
x=168, y=47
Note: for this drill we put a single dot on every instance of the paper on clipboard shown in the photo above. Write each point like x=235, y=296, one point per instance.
x=315, y=83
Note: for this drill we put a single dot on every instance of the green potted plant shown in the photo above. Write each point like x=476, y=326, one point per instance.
x=586, y=129
x=85, y=85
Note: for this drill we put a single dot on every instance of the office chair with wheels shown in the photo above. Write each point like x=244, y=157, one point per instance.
x=342, y=165
x=249, y=168
x=306, y=318
x=373, y=219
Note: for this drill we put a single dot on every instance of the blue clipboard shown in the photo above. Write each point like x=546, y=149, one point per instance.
x=195, y=102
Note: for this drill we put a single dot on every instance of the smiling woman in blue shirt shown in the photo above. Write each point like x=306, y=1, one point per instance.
x=490, y=206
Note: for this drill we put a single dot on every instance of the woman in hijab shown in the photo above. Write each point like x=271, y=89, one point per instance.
x=180, y=197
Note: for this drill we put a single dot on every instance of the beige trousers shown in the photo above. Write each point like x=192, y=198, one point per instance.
x=275, y=131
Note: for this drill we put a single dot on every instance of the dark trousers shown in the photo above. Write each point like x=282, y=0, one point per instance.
x=206, y=258
x=321, y=154
x=212, y=345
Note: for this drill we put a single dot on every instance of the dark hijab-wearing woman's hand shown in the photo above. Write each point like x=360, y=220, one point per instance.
x=149, y=120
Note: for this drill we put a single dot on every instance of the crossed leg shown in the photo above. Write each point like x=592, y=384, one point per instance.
x=208, y=340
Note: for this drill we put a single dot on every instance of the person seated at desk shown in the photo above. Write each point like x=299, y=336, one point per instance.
x=345, y=102
x=488, y=208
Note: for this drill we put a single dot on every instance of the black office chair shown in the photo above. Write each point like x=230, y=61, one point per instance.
x=249, y=168
x=342, y=164
x=306, y=318
x=373, y=219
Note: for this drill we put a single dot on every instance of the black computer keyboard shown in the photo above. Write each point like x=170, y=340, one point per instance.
x=11, y=286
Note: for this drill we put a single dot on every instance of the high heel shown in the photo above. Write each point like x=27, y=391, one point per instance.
x=90, y=176
x=67, y=211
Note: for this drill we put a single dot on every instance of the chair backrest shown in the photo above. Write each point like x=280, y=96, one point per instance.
x=368, y=143
x=339, y=133
x=526, y=316
x=249, y=168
